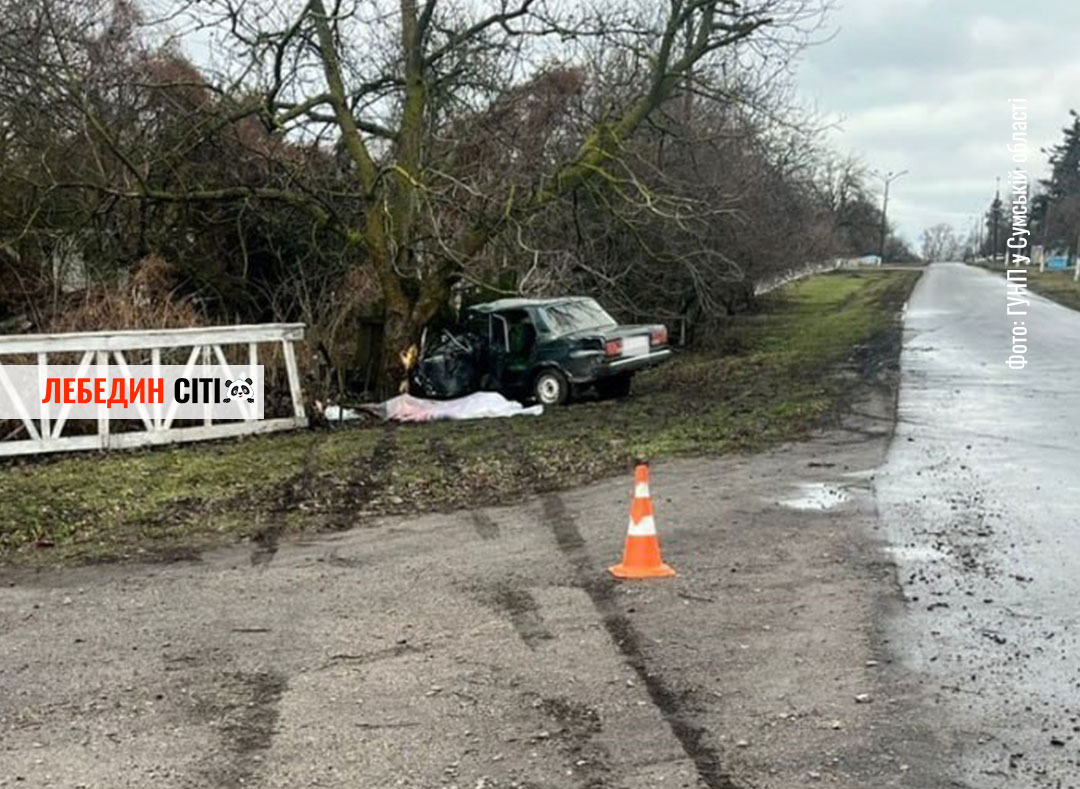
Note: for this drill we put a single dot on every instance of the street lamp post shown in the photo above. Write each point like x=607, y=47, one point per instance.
x=886, y=179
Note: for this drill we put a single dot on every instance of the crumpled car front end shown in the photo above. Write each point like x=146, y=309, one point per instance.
x=449, y=368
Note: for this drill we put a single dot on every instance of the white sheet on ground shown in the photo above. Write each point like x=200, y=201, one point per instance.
x=479, y=405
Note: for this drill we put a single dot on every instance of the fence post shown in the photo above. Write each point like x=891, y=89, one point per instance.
x=102, y=359
x=43, y=363
x=294, y=379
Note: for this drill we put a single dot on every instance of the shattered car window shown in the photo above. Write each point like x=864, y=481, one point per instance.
x=573, y=316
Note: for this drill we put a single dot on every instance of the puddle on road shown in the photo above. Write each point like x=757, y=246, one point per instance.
x=817, y=496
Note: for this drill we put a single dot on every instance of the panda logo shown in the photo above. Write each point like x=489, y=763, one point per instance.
x=241, y=390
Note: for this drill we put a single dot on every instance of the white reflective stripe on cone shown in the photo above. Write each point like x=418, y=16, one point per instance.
x=641, y=490
x=645, y=528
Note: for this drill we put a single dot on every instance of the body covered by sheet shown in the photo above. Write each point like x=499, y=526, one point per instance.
x=479, y=405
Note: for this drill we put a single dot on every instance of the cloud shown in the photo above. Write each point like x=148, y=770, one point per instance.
x=924, y=85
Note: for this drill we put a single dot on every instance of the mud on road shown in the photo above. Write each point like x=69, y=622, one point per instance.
x=980, y=502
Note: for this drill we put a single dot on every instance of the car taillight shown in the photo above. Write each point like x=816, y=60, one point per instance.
x=613, y=348
x=659, y=337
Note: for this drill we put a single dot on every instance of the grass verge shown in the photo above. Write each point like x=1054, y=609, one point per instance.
x=1057, y=286
x=774, y=376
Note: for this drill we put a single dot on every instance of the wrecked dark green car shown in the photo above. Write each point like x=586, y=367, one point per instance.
x=539, y=349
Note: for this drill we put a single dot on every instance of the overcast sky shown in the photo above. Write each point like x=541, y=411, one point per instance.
x=923, y=85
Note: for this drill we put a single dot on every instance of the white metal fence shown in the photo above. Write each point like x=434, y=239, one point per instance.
x=767, y=286
x=100, y=351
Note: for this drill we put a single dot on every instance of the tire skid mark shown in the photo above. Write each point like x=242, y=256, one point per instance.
x=600, y=588
x=371, y=475
x=628, y=640
x=524, y=613
x=579, y=725
x=383, y=454
x=288, y=495
x=266, y=544
x=484, y=525
x=442, y=452
x=245, y=709
x=537, y=480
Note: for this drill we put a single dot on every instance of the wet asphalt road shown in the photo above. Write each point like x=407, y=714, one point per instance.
x=980, y=499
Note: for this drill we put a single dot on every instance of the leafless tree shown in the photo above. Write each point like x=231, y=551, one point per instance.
x=365, y=116
x=939, y=242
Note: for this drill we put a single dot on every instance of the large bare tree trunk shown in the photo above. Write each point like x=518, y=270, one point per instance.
x=405, y=319
x=400, y=333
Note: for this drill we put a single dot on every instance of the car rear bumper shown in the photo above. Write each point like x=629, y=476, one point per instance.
x=636, y=362
x=593, y=365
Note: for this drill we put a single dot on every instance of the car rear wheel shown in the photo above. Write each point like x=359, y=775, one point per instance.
x=551, y=388
x=615, y=386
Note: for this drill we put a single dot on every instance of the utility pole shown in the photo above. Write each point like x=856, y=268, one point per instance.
x=886, y=179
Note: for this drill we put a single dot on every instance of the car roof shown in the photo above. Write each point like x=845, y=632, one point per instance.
x=518, y=304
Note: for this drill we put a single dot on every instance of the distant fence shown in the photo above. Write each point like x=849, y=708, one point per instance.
x=769, y=285
x=113, y=352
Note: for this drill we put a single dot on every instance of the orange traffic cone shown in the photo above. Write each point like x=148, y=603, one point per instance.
x=641, y=557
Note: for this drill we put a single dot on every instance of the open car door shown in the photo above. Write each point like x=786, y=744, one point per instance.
x=512, y=342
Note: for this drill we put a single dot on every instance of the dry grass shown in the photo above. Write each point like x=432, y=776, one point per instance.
x=148, y=300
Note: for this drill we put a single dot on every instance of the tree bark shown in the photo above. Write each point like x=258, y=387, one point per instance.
x=400, y=333
x=408, y=311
